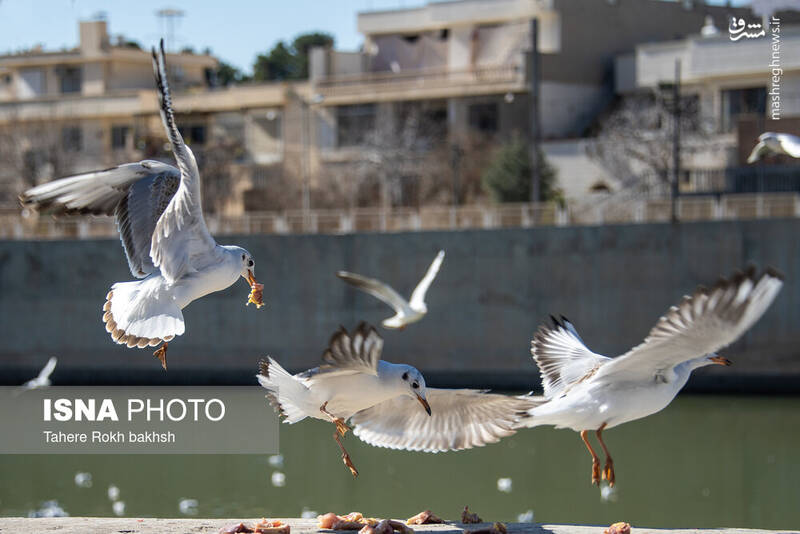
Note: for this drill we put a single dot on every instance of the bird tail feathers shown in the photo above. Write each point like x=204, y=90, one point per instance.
x=285, y=393
x=138, y=314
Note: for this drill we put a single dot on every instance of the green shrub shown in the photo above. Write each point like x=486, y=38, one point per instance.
x=507, y=178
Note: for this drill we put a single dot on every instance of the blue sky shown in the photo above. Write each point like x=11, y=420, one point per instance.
x=235, y=30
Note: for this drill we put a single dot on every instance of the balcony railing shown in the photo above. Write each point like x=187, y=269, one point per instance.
x=380, y=82
x=694, y=208
x=749, y=179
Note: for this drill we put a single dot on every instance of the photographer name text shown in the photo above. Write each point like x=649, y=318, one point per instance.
x=97, y=436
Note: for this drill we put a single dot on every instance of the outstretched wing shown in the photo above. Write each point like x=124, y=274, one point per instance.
x=417, y=300
x=460, y=419
x=562, y=357
x=48, y=369
x=136, y=194
x=181, y=234
x=702, y=323
x=377, y=289
x=346, y=353
x=758, y=152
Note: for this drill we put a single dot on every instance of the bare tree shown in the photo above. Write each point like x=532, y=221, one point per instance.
x=33, y=153
x=635, y=141
x=217, y=165
x=408, y=161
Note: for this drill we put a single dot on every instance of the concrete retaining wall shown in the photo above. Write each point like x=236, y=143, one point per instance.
x=493, y=290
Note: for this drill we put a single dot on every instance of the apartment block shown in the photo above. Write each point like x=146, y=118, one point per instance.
x=743, y=85
x=466, y=65
x=434, y=89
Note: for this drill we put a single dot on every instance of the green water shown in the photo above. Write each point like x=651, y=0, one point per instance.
x=705, y=461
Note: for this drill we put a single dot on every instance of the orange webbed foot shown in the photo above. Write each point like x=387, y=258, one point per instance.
x=161, y=354
x=608, y=472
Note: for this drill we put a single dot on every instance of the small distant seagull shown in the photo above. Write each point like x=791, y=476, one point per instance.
x=43, y=380
x=160, y=220
x=406, y=312
x=587, y=391
x=388, y=404
x=775, y=143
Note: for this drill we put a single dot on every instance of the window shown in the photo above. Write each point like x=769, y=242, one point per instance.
x=198, y=134
x=119, y=136
x=31, y=83
x=426, y=121
x=193, y=134
x=71, y=138
x=484, y=117
x=264, y=135
x=270, y=124
x=70, y=79
x=354, y=124
x=736, y=102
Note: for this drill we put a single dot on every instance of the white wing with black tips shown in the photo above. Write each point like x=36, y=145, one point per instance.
x=136, y=194
x=347, y=354
x=562, y=357
x=157, y=207
x=703, y=323
x=181, y=233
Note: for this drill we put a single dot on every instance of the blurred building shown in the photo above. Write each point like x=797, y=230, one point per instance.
x=410, y=119
x=465, y=66
x=94, y=106
x=739, y=88
x=84, y=107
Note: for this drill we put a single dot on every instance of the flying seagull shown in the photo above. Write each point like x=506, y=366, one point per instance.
x=43, y=380
x=406, y=311
x=388, y=404
x=775, y=143
x=160, y=220
x=587, y=391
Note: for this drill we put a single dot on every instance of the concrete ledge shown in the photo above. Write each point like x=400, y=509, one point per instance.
x=102, y=525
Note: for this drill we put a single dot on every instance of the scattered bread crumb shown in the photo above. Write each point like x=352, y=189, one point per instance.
x=618, y=528
x=425, y=517
x=468, y=517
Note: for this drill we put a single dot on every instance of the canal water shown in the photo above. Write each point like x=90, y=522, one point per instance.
x=705, y=461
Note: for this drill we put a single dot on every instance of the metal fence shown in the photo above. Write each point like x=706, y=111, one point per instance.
x=749, y=179
x=693, y=208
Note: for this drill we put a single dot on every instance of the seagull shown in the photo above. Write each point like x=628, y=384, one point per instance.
x=775, y=143
x=388, y=404
x=43, y=380
x=406, y=311
x=587, y=391
x=160, y=220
